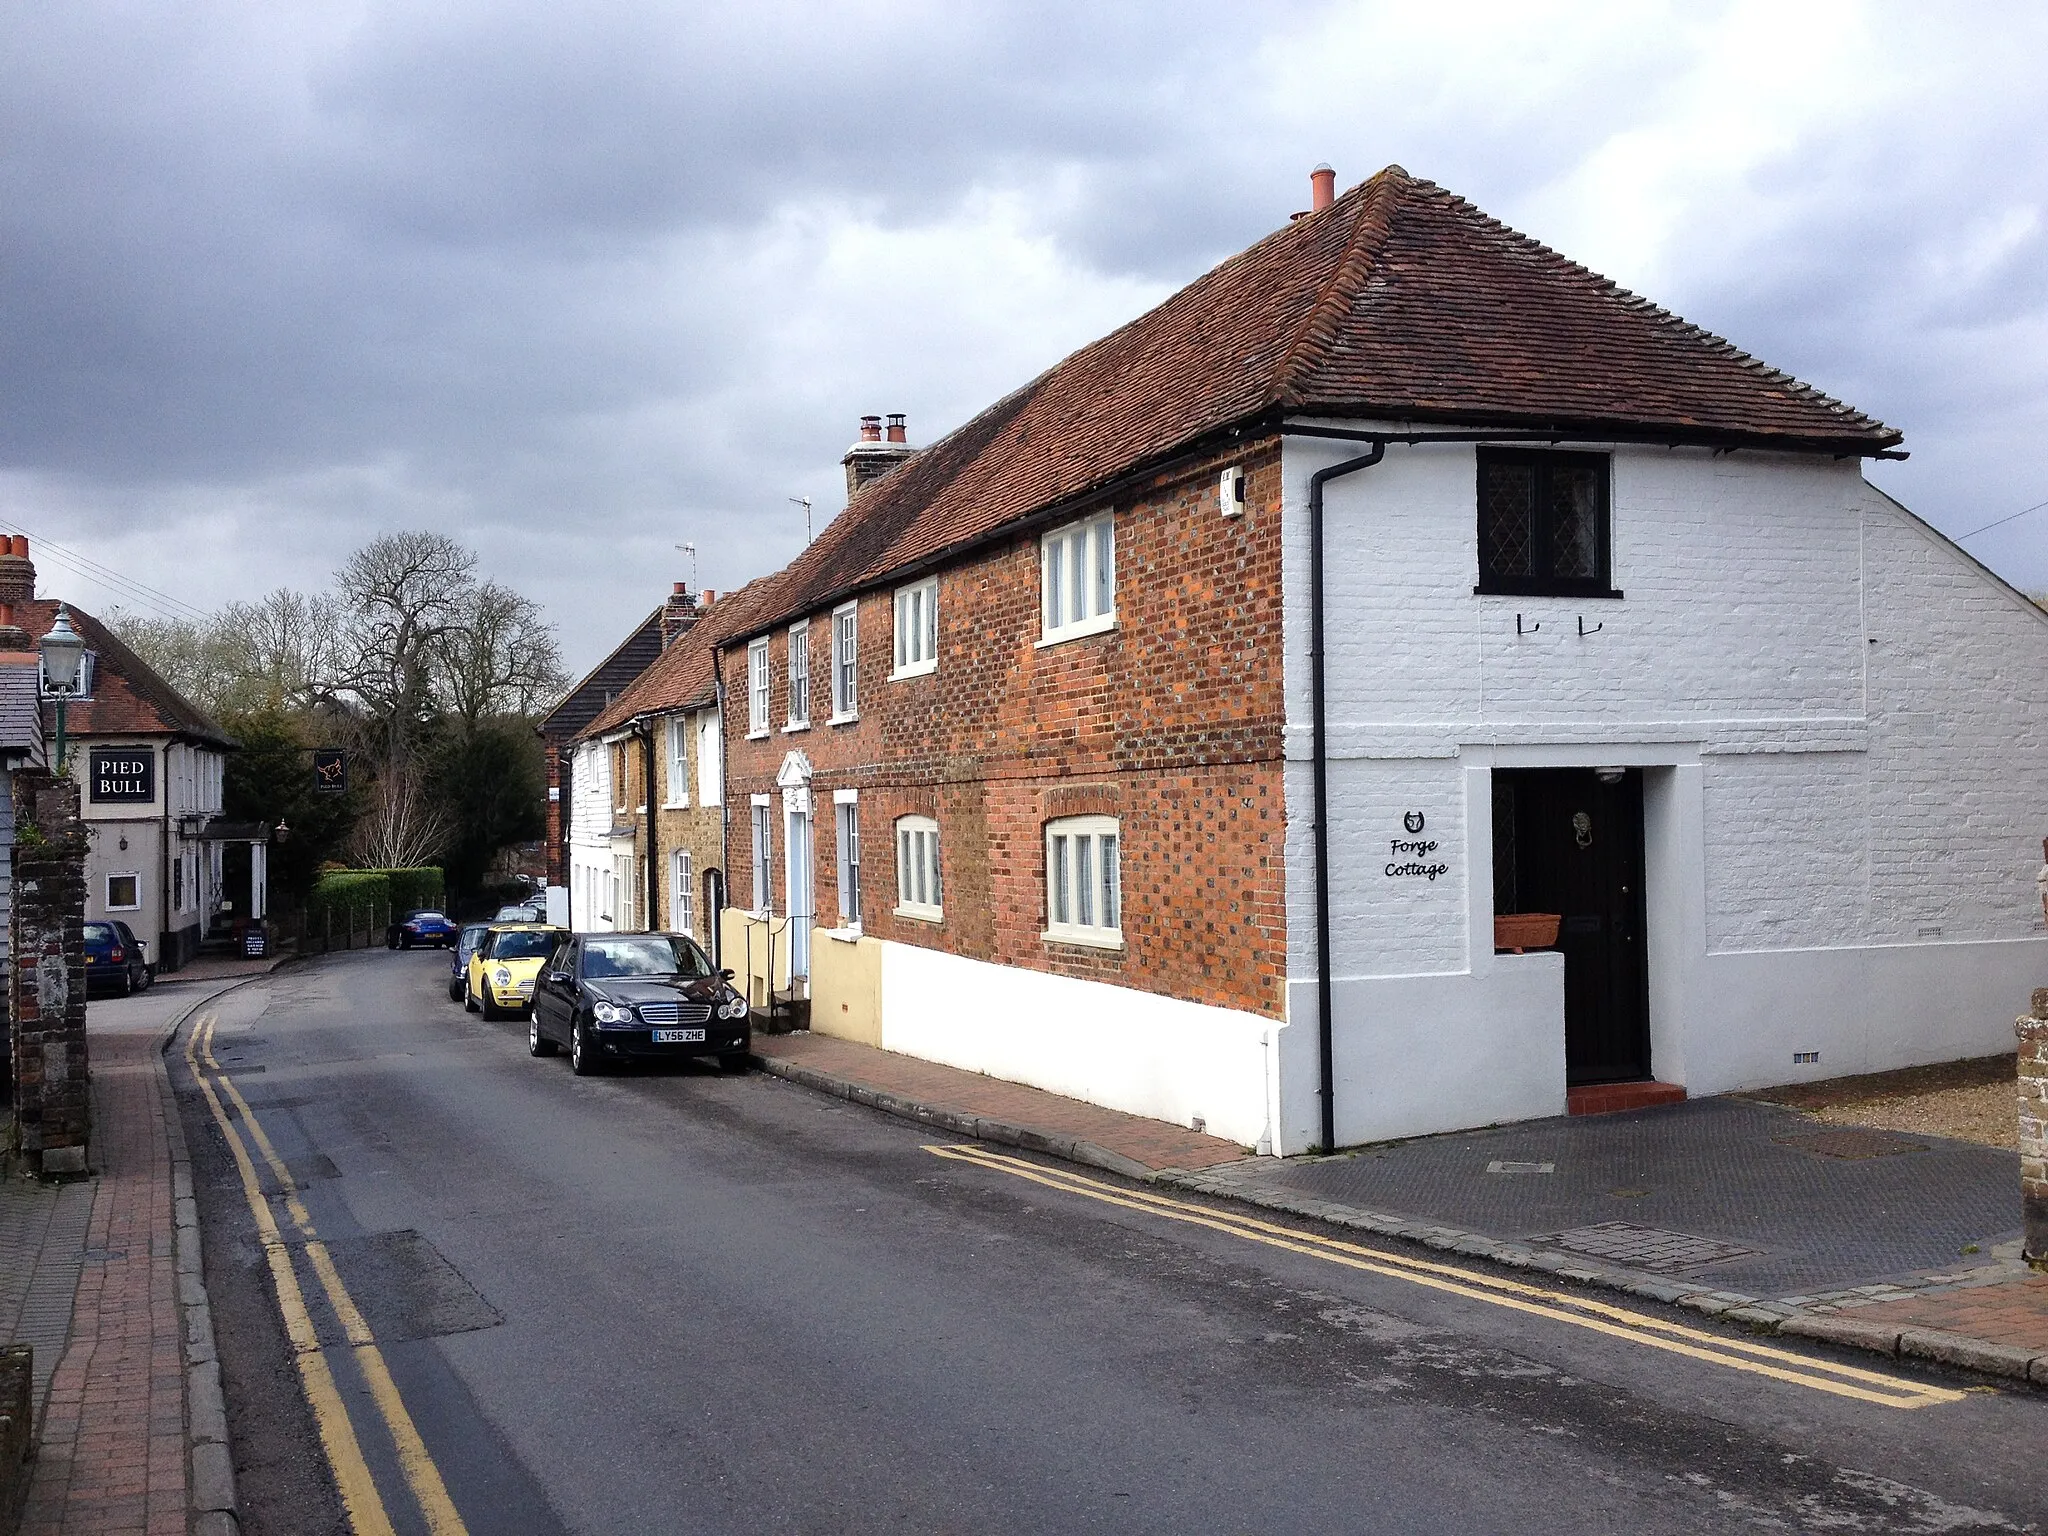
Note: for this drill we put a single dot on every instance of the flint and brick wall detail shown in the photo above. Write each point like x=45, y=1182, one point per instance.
x=2033, y=1089
x=1172, y=721
x=46, y=980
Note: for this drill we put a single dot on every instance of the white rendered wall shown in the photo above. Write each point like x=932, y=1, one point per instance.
x=1109, y=1045
x=1840, y=834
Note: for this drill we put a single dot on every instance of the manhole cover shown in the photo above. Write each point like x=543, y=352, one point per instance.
x=1642, y=1247
x=1850, y=1143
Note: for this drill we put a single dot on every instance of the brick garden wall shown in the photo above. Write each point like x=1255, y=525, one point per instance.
x=1172, y=721
x=46, y=979
x=2033, y=1107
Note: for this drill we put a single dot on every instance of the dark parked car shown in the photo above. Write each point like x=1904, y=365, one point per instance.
x=114, y=958
x=612, y=997
x=465, y=945
x=425, y=927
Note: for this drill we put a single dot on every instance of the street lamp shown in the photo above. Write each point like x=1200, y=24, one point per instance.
x=63, y=657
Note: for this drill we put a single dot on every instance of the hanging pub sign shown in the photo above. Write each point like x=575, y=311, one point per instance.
x=330, y=770
x=122, y=776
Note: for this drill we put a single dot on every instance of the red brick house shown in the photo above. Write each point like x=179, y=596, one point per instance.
x=1088, y=747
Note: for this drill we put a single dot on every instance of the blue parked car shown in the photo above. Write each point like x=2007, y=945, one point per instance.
x=114, y=958
x=420, y=928
x=465, y=945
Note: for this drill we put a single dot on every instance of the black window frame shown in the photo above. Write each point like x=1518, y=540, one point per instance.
x=1543, y=584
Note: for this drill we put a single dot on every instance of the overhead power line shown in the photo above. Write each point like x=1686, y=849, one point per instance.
x=2015, y=517
x=115, y=581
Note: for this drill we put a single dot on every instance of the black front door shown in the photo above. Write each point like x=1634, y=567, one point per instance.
x=1578, y=851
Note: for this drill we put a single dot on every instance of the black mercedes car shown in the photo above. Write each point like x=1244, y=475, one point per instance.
x=614, y=997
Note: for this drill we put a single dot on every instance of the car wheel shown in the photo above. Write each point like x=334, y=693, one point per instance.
x=489, y=1009
x=454, y=991
x=582, y=1060
x=127, y=982
x=468, y=998
x=405, y=941
x=390, y=941
x=536, y=1044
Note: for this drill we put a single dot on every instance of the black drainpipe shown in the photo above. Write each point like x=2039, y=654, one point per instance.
x=1325, y=1038
x=646, y=734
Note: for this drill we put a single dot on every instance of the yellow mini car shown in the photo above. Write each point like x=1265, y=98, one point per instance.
x=505, y=965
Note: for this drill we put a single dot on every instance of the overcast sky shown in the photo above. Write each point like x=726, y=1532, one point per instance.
x=577, y=283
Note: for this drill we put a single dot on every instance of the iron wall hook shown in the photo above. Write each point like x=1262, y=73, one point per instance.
x=1583, y=631
x=1519, y=630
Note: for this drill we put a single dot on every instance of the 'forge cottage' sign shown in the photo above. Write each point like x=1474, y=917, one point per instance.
x=122, y=776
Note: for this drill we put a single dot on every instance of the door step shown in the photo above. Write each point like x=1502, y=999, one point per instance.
x=1613, y=1098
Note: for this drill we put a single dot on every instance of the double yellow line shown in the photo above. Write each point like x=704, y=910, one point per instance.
x=1643, y=1328
x=365, y=1505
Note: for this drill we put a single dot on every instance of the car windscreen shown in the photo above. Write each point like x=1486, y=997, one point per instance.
x=653, y=955
x=524, y=946
x=426, y=917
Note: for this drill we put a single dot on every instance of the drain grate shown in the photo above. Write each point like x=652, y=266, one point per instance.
x=1850, y=1144
x=1641, y=1247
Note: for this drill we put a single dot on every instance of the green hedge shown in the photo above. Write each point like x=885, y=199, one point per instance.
x=415, y=889
x=353, y=894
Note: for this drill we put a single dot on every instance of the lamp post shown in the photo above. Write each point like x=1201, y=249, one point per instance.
x=63, y=665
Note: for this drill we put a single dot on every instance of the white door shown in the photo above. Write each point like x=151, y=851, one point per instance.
x=797, y=847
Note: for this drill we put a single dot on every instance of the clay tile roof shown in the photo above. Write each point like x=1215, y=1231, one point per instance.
x=129, y=697
x=1399, y=301
x=684, y=675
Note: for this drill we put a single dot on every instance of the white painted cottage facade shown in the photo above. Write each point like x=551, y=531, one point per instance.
x=1836, y=720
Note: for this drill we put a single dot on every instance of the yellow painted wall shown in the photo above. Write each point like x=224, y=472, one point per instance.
x=749, y=961
x=846, y=987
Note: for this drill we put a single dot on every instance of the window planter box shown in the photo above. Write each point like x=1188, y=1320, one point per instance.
x=1514, y=932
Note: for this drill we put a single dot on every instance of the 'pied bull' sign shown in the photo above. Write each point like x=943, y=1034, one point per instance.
x=122, y=776
x=1411, y=854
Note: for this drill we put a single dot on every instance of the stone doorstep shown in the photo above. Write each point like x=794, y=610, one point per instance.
x=1758, y=1314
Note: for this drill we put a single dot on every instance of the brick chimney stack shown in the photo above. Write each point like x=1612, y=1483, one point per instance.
x=678, y=614
x=871, y=457
x=17, y=575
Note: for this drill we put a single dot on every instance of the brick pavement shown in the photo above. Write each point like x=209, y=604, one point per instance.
x=112, y=1456
x=2014, y=1314
x=1153, y=1144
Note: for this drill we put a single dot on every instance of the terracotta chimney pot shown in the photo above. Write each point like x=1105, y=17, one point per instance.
x=871, y=429
x=899, y=431
x=1322, y=186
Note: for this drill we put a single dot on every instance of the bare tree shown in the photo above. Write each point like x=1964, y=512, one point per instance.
x=404, y=827
x=501, y=661
x=404, y=594
x=285, y=650
x=186, y=653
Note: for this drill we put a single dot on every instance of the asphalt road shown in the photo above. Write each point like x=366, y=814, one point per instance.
x=677, y=1302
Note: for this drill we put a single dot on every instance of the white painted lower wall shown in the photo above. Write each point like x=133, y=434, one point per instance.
x=1108, y=1045
x=1420, y=1054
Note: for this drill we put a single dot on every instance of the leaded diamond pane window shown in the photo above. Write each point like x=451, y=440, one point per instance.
x=1544, y=523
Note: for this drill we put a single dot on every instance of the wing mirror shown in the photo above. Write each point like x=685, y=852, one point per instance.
x=725, y=975
x=558, y=976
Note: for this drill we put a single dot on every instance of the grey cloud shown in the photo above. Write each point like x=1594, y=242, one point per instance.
x=561, y=280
